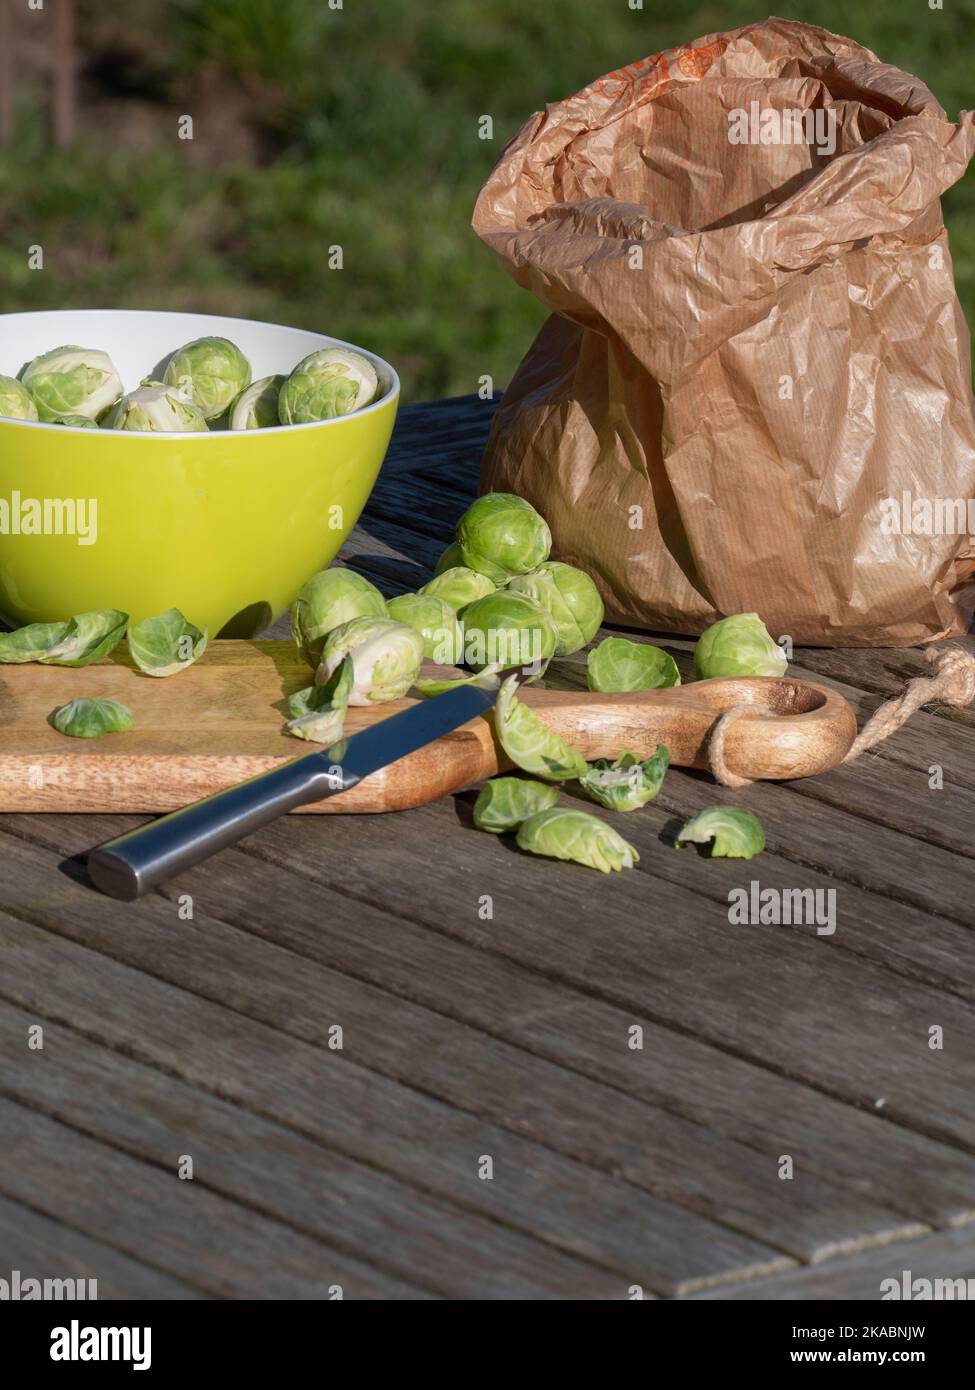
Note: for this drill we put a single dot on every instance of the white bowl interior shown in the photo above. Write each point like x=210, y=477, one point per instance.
x=139, y=342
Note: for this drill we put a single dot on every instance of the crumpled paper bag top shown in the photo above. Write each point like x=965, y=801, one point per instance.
x=755, y=347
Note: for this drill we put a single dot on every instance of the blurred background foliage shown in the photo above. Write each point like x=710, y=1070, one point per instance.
x=356, y=126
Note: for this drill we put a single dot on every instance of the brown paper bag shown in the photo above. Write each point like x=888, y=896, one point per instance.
x=755, y=384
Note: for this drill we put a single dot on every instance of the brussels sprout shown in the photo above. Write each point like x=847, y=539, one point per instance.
x=165, y=644
x=562, y=833
x=156, y=409
x=32, y=642
x=738, y=646
x=486, y=679
x=256, y=408
x=459, y=586
x=569, y=597
x=326, y=601
x=16, y=402
x=87, y=637
x=505, y=802
x=91, y=718
x=77, y=422
x=507, y=629
x=386, y=658
x=330, y=382
x=72, y=381
x=617, y=664
x=211, y=372
x=628, y=783
x=318, y=713
x=450, y=559
x=435, y=621
x=734, y=834
x=529, y=744
x=500, y=535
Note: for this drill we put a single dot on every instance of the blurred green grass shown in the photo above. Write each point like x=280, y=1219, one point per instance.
x=355, y=127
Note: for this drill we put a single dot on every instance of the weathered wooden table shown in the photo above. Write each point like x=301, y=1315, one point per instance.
x=383, y=1088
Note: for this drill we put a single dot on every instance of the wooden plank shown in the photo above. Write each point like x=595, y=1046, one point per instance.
x=331, y=1098
x=44, y=1249
x=946, y=1255
x=351, y=1207
x=196, y=1236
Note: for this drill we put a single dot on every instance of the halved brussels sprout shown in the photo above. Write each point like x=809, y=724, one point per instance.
x=500, y=535
x=72, y=381
x=16, y=402
x=386, y=658
x=529, y=744
x=569, y=597
x=618, y=664
x=326, y=601
x=210, y=372
x=318, y=713
x=579, y=836
x=504, y=802
x=165, y=644
x=738, y=646
x=329, y=382
x=459, y=586
x=627, y=783
x=92, y=718
x=87, y=637
x=156, y=409
x=733, y=834
x=435, y=621
x=256, y=408
x=507, y=629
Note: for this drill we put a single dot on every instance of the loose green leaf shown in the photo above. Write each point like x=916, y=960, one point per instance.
x=529, y=744
x=165, y=644
x=563, y=833
x=505, y=802
x=32, y=642
x=733, y=834
x=617, y=664
x=488, y=679
x=318, y=712
x=92, y=718
x=628, y=783
x=88, y=637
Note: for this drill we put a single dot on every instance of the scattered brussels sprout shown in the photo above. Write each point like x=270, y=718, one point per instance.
x=256, y=408
x=165, y=644
x=87, y=637
x=386, y=658
x=435, y=621
x=733, y=834
x=507, y=629
x=329, y=599
x=211, y=372
x=77, y=422
x=738, y=646
x=450, y=559
x=486, y=679
x=72, y=381
x=92, y=718
x=562, y=833
x=500, y=535
x=16, y=402
x=329, y=382
x=505, y=802
x=156, y=409
x=459, y=586
x=318, y=713
x=529, y=744
x=569, y=597
x=32, y=642
x=628, y=783
x=618, y=664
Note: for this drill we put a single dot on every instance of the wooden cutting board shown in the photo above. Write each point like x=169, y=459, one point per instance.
x=221, y=721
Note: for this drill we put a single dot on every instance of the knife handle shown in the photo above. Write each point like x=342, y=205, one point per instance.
x=142, y=859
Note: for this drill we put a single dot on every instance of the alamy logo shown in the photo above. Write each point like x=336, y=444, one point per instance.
x=20, y=1288
x=926, y=1290
x=50, y=516
x=793, y=126
x=756, y=906
x=908, y=515
x=77, y=1343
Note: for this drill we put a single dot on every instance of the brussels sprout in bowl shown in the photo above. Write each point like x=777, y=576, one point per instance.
x=224, y=524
